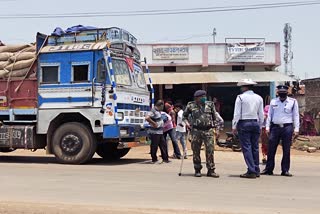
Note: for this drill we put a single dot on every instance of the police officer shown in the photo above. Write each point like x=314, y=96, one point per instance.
x=201, y=114
x=282, y=124
x=247, y=122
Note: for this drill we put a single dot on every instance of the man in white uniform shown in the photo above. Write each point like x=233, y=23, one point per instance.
x=247, y=122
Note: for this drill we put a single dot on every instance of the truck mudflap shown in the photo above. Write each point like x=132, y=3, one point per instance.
x=18, y=137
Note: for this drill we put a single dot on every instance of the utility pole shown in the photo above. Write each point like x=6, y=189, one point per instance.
x=288, y=54
x=214, y=34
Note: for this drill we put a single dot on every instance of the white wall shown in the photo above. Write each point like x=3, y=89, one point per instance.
x=216, y=68
x=159, y=69
x=216, y=54
x=195, y=55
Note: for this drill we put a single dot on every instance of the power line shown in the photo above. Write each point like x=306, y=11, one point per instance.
x=190, y=37
x=165, y=12
x=173, y=12
x=162, y=10
x=182, y=39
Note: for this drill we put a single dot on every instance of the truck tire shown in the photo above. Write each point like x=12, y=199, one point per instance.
x=110, y=152
x=73, y=143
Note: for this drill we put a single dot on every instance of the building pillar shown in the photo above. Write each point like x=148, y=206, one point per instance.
x=272, y=90
x=161, y=92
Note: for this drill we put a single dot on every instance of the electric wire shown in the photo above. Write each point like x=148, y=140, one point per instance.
x=164, y=12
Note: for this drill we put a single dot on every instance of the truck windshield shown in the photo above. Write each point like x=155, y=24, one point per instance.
x=121, y=71
x=139, y=76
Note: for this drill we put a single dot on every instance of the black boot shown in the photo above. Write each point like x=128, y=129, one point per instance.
x=197, y=173
x=286, y=174
x=211, y=173
x=249, y=175
x=266, y=172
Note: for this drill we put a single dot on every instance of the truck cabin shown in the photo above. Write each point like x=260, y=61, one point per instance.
x=74, y=71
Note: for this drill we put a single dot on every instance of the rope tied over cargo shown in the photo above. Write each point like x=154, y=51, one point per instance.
x=17, y=61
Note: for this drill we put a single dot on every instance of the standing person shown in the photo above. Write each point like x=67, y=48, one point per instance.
x=156, y=133
x=172, y=131
x=282, y=124
x=167, y=126
x=247, y=122
x=181, y=129
x=264, y=136
x=217, y=104
x=219, y=125
x=202, y=116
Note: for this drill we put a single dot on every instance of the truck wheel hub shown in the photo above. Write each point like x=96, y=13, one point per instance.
x=71, y=144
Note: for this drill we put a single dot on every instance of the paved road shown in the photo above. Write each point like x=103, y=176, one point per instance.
x=36, y=184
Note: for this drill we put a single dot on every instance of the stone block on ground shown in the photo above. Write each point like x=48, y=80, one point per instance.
x=312, y=149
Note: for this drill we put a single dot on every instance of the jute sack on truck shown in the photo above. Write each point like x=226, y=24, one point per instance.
x=30, y=49
x=5, y=56
x=12, y=48
x=18, y=73
x=19, y=65
x=3, y=64
x=22, y=56
x=3, y=73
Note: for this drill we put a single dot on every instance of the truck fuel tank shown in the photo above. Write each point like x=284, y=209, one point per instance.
x=18, y=137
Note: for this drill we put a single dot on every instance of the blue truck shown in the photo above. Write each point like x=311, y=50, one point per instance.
x=85, y=93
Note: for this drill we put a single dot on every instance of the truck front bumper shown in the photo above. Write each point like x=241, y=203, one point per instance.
x=124, y=132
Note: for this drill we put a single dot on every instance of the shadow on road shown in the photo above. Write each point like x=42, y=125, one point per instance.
x=28, y=159
x=52, y=160
x=188, y=175
x=234, y=176
x=125, y=161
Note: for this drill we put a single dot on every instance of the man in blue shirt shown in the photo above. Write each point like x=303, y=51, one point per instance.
x=247, y=122
x=282, y=124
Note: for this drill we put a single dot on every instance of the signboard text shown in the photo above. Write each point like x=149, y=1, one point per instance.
x=170, y=52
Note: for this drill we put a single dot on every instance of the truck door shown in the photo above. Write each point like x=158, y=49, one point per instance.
x=82, y=77
x=100, y=82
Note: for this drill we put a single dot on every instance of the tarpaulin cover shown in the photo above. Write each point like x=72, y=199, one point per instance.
x=74, y=29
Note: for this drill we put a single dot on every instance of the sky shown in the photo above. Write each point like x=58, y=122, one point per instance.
x=187, y=28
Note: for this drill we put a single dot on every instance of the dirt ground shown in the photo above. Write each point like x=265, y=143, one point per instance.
x=34, y=208
x=33, y=183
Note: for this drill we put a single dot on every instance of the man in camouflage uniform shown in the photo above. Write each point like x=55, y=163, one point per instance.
x=201, y=115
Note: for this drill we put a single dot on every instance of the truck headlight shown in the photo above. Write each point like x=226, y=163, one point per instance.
x=120, y=116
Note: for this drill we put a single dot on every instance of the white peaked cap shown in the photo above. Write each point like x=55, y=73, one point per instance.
x=246, y=82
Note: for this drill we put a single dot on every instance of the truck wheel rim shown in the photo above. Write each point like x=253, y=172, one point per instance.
x=71, y=144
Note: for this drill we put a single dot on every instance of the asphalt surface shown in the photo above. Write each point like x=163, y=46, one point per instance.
x=37, y=184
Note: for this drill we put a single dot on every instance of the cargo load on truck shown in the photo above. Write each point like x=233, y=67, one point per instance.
x=16, y=60
x=18, y=82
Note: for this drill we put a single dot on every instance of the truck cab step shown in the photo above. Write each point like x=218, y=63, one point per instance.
x=19, y=121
